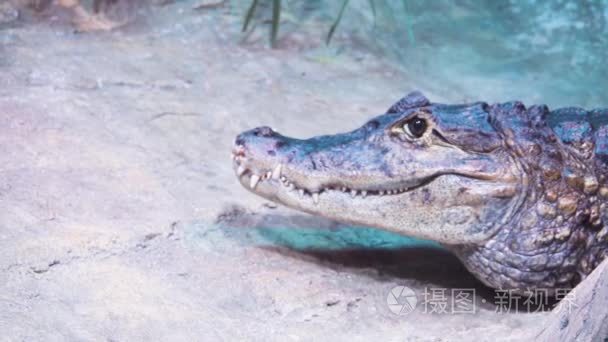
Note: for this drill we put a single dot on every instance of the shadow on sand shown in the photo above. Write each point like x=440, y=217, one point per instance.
x=379, y=254
x=351, y=249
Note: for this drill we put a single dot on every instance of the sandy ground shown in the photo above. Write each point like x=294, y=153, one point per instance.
x=121, y=218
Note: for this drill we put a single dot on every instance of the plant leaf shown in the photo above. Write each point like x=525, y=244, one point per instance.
x=336, y=22
x=276, y=20
x=249, y=14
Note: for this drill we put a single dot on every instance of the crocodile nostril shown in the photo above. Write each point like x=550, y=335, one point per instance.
x=263, y=132
x=239, y=141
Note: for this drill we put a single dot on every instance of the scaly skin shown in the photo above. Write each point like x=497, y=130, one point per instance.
x=518, y=194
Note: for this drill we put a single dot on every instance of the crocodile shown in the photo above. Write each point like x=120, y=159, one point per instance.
x=517, y=193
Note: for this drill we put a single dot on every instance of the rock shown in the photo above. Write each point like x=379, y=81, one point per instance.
x=582, y=315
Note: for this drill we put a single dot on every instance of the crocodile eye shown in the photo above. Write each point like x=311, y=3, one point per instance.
x=416, y=127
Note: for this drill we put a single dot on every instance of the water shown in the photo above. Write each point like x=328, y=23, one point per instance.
x=545, y=51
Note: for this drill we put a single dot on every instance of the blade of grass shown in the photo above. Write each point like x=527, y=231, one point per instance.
x=336, y=22
x=276, y=20
x=249, y=14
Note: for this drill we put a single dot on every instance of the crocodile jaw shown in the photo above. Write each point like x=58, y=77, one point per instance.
x=424, y=211
x=462, y=202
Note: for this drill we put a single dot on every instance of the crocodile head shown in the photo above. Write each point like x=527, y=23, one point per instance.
x=432, y=171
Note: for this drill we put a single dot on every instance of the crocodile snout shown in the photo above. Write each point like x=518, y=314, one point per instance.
x=258, y=143
x=258, y=155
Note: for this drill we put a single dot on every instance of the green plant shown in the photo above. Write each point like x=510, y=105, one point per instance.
x=276, y=18
x=372, y=5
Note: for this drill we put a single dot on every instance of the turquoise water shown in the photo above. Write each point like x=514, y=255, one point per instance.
x=311, y=238
x=300, y=232
x=538, y=51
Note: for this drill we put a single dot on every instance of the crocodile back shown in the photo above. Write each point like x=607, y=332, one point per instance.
x=581, y=128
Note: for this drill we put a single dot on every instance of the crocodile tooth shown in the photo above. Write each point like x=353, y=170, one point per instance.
x=276, y=173
x=283, y=178
x=291, y=187
x=343, y=189
x=315, y=197
x=268, y=175
x=363, y=193
x=253, y=182
x=240, y=170
x=381, y=192
x=301, y=192
x=353, y=193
